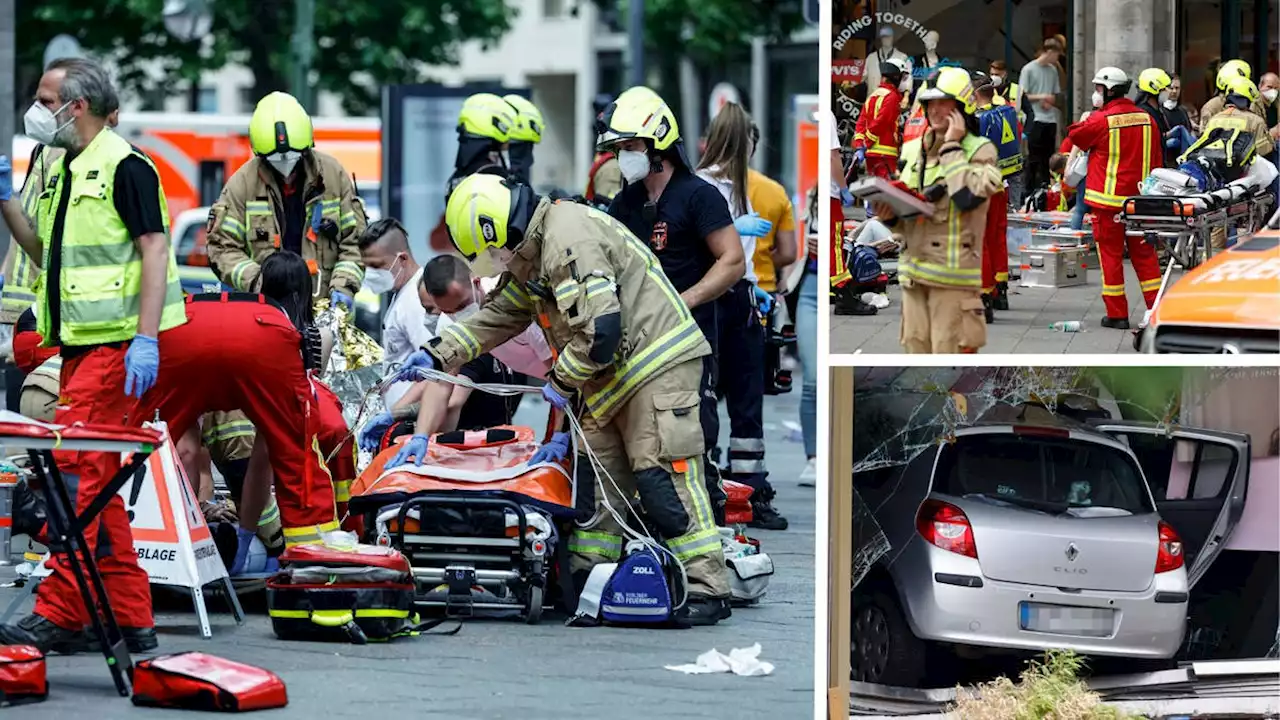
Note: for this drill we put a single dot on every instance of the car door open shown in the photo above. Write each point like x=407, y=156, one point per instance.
x=1198, y=477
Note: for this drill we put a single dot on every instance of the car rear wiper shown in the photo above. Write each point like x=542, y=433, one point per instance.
x=1056, y=508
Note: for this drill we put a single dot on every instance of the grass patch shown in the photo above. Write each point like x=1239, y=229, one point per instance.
x=1049, y=689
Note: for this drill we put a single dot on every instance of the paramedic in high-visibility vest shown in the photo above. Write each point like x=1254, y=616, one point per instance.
x=1124, y=144
x=604, y=179
x=999, y=124
x=953, y=167
x=628, y=365
x=877, y=135
x=111, y=289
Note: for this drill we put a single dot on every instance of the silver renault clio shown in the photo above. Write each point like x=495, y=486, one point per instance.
x=1036, y=536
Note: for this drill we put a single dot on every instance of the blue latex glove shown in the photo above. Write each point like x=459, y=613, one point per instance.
x=550, y=394
x=846, y=197
x=6, y=178
x=337, y=298
x=418, y=360
x=860, y=155
x=244, y=538
x=141, y=365
x=764, y=300
x=415, y=448
x=554, y=451
x=371, y=434
x=752, y=225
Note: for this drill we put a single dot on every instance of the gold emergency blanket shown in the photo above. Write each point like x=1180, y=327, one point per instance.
x=353, y=366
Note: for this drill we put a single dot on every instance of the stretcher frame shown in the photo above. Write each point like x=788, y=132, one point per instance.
x=40, y=440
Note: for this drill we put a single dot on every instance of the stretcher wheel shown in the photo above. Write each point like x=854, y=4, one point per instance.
x=533, y=606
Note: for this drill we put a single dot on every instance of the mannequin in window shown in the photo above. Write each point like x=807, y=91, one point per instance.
x=884, y=51
x=929, y=60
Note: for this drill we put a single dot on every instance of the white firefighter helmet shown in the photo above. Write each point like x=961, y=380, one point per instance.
x=897, y=63
x=1110, y=77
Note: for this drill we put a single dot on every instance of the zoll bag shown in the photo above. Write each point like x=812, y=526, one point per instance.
x=22, y=678
x=355, y=594
x=196, y=681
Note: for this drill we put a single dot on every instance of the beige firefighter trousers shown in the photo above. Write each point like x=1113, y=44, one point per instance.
x=941, y=320
x=653, y=449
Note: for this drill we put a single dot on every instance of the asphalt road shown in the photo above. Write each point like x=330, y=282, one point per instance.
x=505, y=669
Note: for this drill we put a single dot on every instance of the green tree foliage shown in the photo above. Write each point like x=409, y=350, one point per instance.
x=712, y=31
x=360, y=44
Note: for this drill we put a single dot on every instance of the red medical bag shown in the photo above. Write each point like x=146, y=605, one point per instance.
x=737, y=511
x=196, y=681
x=22, y=678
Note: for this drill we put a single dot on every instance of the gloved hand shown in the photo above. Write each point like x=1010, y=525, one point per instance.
x=418, y=360
x=764, y=300
x=552, y=396
x=6, y=178
x=337, y=297
x=846, y=197
x=556, y=450
x=752, y=225
x=415, y=448
x=371, y=434
x=244, y=538
x=141, y=365
x=860, y=156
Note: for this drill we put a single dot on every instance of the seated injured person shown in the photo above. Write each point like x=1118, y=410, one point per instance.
x=448, y=286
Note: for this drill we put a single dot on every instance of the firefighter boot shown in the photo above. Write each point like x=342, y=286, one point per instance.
x=848, y=302
x=701, y=611
x=1001, y=299
x=988, y=311
x=1115, y=323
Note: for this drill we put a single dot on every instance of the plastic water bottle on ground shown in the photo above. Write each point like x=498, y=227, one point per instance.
x=1066, y=326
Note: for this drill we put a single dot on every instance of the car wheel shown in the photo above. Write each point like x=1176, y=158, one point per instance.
x=882, y=648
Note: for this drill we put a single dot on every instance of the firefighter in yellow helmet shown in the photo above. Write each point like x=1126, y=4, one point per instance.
x=485, y=124
x=289, y=196
x=1230, y=69
x=526, y=133
x=628, y=363
x=1153, y=87
x=955, y=169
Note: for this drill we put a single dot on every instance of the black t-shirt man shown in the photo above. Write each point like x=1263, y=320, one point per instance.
x=484, y=410
x=136, y=194
x=676, y=229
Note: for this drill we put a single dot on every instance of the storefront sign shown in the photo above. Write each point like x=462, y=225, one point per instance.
x=862, y=26
x=919, y=72
x=850, y=71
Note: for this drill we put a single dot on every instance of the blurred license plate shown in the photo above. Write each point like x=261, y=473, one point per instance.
x=1065, y=620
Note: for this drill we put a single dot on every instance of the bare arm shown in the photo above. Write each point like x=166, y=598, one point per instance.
x=155, y=265
x=837, y=167
x=729, y=267
x=20, y=227
x=784, y=248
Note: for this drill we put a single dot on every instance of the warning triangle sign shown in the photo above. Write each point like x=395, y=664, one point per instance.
x=1006, y=133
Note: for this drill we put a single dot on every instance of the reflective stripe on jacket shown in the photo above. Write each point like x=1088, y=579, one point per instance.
x=1123, y=143
x=877, y=126
x=20, y=279
x=101, y=265
x=945, y=250
x=611, y=316
x=245, y=226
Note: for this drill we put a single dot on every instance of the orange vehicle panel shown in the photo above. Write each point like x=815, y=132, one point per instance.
x=1238, y=288
x=540, y=484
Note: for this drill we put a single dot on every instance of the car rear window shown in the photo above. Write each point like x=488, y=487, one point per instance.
x=1059, y=473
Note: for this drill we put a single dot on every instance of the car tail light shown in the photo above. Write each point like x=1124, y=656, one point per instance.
x=1041, y=431
x=1169, y=556
x=946, y=526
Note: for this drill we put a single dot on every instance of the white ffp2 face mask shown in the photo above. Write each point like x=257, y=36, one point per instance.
x=634, y=165
x=1170, y=104
x=41, y=124
x=284, y=162
x=378, y=280
x=1097, y=99
x=1270, y=94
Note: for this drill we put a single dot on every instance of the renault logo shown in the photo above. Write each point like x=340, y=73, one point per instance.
x=1073, y=552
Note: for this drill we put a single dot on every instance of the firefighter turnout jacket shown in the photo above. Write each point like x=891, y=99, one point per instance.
x=999, y=124
x=611, y=317
x=1232, y=119
x=877, y=127
x=945, y=250
x=1218, y=103
x=101, y=265
x=247, y=223
x=21, y=273
x=1123, y=143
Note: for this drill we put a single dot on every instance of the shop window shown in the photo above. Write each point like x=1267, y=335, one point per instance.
x=208, y=100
